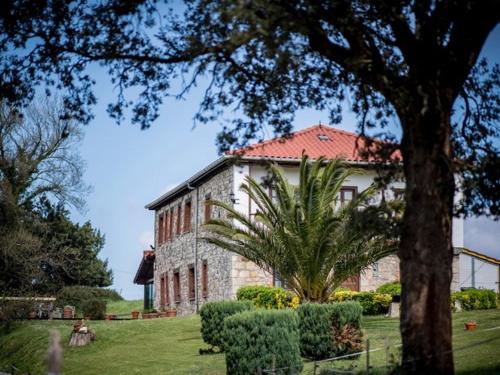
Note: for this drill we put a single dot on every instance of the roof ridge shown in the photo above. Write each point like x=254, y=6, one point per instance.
x=291, y=135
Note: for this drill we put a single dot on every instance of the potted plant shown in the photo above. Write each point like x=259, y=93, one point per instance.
x=470, y=325
x=153, y=314
x=171, y=311
x=162, y=313
x=135, y=314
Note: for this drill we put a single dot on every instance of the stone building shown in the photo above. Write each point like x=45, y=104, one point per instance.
x=188, y=271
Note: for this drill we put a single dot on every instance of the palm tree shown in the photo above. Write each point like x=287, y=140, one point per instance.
x=304, y=233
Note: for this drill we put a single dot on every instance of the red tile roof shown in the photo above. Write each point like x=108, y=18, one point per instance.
x=316, y=141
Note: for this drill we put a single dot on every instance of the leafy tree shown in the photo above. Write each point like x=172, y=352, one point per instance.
x=304, y=234
x=49, y=252
x=413, y=61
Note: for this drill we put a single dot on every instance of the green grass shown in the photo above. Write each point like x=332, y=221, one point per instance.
x=170, y=346
x=124, y=308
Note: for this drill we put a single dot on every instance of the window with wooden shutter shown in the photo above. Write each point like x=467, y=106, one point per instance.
x=187, y=216
x=177, y=287
x=162, y=291
x=167, y=292
x=191, y=282
x=204, y=279
x=207, y=209
x=159, y=238
x=171, y=224
x=167, y=223
x=178, y=220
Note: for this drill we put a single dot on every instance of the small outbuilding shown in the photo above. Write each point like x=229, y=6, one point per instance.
x=472, y=269
x=145, y=276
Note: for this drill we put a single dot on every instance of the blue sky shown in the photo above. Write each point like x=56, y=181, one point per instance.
x=128, y=168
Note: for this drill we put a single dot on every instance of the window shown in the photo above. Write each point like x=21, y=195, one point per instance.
x=204, y=279
x=187, y=217
x=208, y=209
x=191, y=282
x=162, y=291
x=167, y=292
x=177, y=287
x=160, y=230
x=178, y=221
x=171, y=224
x=167, y=225
x=347, y=194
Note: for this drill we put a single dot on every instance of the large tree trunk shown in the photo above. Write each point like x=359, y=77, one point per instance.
x=426, y=249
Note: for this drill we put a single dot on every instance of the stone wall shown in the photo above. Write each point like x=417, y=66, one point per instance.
x=245, y=272
x=179, y=253
x=381, y=272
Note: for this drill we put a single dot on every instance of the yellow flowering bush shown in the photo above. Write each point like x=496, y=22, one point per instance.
x=268, y=297
x=372, y=303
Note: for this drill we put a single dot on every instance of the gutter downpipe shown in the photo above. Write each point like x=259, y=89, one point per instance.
x=196, y=289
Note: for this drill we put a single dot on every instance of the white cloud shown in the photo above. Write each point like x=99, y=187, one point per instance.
x=146, y=238
x=483, y=235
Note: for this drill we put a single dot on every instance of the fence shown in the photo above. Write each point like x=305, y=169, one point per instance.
x=364, y=363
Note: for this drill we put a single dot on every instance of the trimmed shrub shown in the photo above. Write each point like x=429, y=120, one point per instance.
x=268, y=297
x=212, y=316
x=475, y=299
x=392, y=288
x=372, y=303
x=94, y=309
x=77, y=295
x=262, y=340
x=329, y=329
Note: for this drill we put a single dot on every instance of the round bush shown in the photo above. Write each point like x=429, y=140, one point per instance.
x=95, y=309
x=393, y=288
x=262, y=340
x=327, y=330
x=212, y=316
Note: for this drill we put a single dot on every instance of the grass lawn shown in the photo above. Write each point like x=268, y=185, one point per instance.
x=170, y=346
x=124, y=308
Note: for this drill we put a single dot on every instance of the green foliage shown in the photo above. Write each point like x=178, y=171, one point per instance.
x=212, y=316
x=267, y=297
x=320, y=325
x=304, y=233
x=475, y=299
x=260, y=340
x=393, y=288
x=372, y=303
x=95, y=309
x=77, y=295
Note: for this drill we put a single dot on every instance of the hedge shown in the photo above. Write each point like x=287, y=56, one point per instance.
x=327, y=330
x=393, y=288
x=372, y=303
x=95, y=309
x=262, y=340
x=268, y=297
x=77, y=295
x=212, y=316
x=475, y=299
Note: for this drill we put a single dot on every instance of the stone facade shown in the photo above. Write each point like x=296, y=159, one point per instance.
x=178, y=254
x=381, y=272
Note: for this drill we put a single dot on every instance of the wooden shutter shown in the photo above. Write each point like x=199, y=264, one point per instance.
x=160, y=229
x=204, y=279
x=187, y=216
x=191, y=282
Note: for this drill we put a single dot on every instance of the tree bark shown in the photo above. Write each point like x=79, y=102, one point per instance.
x=426, y=250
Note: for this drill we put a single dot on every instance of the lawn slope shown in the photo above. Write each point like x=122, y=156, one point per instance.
x=170, y=346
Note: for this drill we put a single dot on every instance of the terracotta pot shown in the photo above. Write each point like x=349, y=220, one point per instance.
x=68, y=313
x=162, y=314
x=32, y=315
x=470, y=326
x=135, y=314
x=153, y=315
x=171, y=312
x=145, y=316
x=110, y=316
